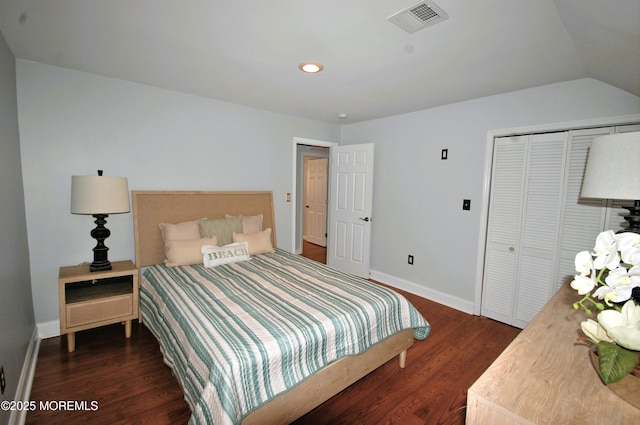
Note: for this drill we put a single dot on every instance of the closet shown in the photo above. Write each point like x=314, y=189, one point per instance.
x=537, y=221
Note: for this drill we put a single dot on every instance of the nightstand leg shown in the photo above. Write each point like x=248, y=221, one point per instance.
x=127, y=328
x=71, y=342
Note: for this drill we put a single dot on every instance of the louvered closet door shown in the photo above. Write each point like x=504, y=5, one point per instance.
x=541, y=224
x=583, y=218
x=503, y=230
x=527, y=188
x=538, y=221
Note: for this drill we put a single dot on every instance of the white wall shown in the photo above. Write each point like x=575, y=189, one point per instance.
x=418, y=197
x=16, y=309
x=75, y=123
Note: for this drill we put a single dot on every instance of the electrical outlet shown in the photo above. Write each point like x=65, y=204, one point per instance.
x=3, y=382
x=466, y=204
x=410, y=259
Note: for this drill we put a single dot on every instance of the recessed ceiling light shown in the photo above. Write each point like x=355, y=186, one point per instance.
x=310, y=67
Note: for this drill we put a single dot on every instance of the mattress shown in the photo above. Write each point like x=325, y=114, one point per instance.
x=240, y=334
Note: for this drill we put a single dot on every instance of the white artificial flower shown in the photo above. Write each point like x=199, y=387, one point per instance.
x=606, y=251
x=619, y=285
x=613, y=294
x=584, y=263
x=621, y=277
x=634, y=275
x=594, y=331
x=606, y=293
x=583, y=284
x=623, y=327
x=614, y=259
x=629, y=246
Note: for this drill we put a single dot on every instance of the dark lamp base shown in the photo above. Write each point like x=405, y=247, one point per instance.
x=100, y=233
x=633, y=217
x=97, y=266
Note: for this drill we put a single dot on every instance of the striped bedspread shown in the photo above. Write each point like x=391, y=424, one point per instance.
x=238, y=335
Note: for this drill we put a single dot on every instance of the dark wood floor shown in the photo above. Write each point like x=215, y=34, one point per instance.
x=314, y=252
x=131, y=384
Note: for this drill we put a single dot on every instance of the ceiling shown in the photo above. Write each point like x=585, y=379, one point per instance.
x=248, y=52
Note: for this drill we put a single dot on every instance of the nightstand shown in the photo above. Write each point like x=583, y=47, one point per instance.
x=92, y=299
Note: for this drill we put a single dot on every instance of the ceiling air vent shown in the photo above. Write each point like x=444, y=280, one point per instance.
x=418, y=16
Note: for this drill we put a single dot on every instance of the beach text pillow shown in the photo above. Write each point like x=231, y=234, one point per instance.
x=213, y=256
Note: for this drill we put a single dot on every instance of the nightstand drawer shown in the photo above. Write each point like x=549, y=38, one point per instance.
x=83, y=313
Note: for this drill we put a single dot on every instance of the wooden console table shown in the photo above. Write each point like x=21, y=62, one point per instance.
x=544, y=377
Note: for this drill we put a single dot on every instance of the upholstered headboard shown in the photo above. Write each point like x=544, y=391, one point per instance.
x=151, y=208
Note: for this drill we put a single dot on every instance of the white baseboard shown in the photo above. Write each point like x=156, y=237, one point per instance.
x=48, y=329
x=424, y=292
x=23, y=392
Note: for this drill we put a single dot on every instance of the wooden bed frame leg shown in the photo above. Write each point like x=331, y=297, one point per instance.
x=403, y=359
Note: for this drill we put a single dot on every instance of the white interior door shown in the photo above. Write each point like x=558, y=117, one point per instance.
x=315, y=208
x=350, y=205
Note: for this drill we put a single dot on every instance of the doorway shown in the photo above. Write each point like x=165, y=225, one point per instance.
x=315, y=198
x=304, y=148
x=314, y=252
x=349, y=204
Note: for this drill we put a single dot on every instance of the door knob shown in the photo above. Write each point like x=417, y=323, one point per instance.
x=364, y=219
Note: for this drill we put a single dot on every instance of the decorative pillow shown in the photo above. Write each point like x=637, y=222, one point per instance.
x=221, y=228
x=259, y=243
x=232, y=253
x=184, y=253
x=250, y=223
x=187, y=230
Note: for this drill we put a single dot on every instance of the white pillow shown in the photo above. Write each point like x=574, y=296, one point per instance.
x=232, y=253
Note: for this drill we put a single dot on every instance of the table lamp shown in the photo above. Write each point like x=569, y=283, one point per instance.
x=613, y=172
x=99, y=196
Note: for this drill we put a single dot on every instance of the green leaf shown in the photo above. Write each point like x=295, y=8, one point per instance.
x=615, y=361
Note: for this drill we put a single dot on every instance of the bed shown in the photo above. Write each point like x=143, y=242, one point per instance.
x=305, y=347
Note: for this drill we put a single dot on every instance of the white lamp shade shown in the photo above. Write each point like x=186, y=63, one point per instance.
x=613, y=167
x=99, y=195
